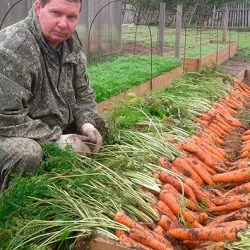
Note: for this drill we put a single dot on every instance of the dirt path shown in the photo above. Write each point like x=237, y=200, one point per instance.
x=235, y=66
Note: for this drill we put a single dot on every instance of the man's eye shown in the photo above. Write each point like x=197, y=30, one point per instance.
x=72, y=18
x=55, y=13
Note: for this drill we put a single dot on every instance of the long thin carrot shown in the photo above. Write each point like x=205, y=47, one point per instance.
x=206, y=158
x=201, y=194
x=227, y=200
x=241, y=175
x=167, y=178
x=205, y=233
x=166, y=223
x=125, y=240
x=159, y=230
x=241, y=214
x=230, y=207
x=242, y=189
x=202, y=172
x=177, y=209
x=190, y=204
x=165, y=209
x=187, y=170
x=148, y=240
x=122, y=218
x=239, y=224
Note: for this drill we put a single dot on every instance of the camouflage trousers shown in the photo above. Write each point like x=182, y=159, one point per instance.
x=19, y=155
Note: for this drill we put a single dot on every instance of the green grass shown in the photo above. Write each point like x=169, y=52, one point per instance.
x=122, y=73
x=204, y=50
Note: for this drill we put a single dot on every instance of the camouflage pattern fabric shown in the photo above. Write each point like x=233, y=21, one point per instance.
x=18, y=154
x=42, y=90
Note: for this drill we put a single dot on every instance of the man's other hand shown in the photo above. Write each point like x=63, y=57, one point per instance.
x=76, y=142
x=95, y=138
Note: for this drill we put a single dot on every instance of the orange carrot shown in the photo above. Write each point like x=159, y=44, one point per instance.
x=165, y=209
x=206, y=158
x=202, y=172
x=192, y=244
x=241, y=214
x=217, y=192
x=159, y=230
x=205, y=233
x=122, y=218
x=201, y=194
x=182, y=165
x=166, y=223
x=239, y=224
x=175, y=206
x=245, y=137
x=190, y=204
x=167, y=178
x=241, y=175
x=227, y=200
x=213, y=246
x=129, y=242
x=242, y=189
x=230, y=207
x=148, y=240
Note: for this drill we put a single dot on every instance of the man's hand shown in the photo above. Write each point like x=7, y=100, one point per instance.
x=77, y=142
x=94, y=136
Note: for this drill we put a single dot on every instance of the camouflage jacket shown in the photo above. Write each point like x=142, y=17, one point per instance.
x=42, y=91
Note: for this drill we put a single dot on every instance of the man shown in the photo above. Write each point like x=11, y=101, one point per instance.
x=44, y=88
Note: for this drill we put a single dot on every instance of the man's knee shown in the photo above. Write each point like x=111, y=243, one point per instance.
x=31, y=155
x=28, y=150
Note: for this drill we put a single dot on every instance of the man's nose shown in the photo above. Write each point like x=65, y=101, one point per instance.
x=63, y=23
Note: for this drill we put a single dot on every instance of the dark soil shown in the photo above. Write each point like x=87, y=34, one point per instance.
x=233, y=140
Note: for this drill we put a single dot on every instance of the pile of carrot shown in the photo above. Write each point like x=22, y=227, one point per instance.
x=205, y=202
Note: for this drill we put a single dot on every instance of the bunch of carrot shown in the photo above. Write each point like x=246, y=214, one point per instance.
x=205, y=199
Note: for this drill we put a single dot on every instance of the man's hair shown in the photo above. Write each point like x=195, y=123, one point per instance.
x=44, y=2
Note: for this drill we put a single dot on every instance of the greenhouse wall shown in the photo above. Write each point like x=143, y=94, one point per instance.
x=105, y=35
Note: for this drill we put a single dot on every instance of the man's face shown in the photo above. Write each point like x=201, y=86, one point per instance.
x=58, y=19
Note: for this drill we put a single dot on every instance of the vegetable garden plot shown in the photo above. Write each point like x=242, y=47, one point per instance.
x=120, y=192
x=195, y=59
x=122, y=73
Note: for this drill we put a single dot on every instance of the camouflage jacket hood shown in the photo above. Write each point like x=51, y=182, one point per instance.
x=41, y=91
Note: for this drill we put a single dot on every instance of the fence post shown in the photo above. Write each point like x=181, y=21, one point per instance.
x=178, y=31
x=161, y=29
x=213, y=17
x=225, y=23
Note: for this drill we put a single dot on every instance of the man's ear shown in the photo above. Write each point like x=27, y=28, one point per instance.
x=38, y=7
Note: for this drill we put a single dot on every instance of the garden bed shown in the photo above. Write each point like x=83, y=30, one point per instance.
x=225, y=52
x=113, y=81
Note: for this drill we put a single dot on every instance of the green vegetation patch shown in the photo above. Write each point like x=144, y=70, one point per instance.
x=204, y=50
x=122, y=73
